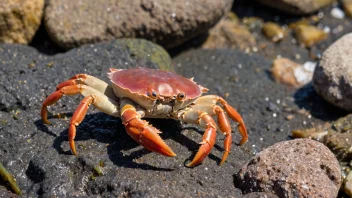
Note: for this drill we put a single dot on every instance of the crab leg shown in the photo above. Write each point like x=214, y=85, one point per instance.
x=141, y=131
x=203, y=119
x=223, y=123
x=105, y=104
x=225, y=127
x=98, y=99
x=231, y=112
x=91, y=81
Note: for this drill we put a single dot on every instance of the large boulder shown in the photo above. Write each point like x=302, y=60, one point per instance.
x=296, y=168
x=332, y=77
x=19, y=20
x=167, y=22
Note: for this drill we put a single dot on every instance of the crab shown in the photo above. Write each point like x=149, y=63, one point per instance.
x=149, y=93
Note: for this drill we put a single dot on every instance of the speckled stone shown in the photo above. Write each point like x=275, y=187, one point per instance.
x=332, y=77
x=296, y=168
x=166, y=22
x=19, y=20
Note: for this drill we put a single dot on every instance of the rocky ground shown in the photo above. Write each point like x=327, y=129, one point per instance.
x=234, y=60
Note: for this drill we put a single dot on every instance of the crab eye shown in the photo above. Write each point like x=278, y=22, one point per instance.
x=181, y=96
x=153, y=95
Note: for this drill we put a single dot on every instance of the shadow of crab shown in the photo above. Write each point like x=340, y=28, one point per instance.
x=110, y=131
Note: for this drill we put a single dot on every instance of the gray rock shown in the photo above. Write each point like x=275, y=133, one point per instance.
x=97, y=59
x=19, y=20
x=332, y=77
x=169, y=23
x=296, y=168
x=297, y=7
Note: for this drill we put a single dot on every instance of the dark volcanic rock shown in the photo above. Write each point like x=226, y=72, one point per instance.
x=109, y=162
x=31, y=72
x=296, y=168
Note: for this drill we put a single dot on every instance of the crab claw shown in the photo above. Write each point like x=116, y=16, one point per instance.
x=144, y=134
x=148, y=137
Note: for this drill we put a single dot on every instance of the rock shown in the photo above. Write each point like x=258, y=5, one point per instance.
x=337, y=13
x=19, y=20
x=122, y=53
x=290, y=73
x=6, y=193
x=273, y=32
x=347, y=188
x=169, y=23
x=347, y=7
x=253, y=23
x=229, y=34
x=296, y=168
x=297, y=7
x=309, y=35
x=332, y=77
x=337, y=137
x=39, y=156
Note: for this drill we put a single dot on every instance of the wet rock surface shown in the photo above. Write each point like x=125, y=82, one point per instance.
x=19, y=20
x=296, y=168
x=44, y=166
x=168, y=23
x=332, y=78
x=40, y=165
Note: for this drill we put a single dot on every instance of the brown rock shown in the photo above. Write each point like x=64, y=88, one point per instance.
x=290, y=73
x=19, y=20
x=273, y=31
x=166, y=22
x=296, y=168
x=347, y=7
x=229, y=34
x=296, y=7
x=309, y=35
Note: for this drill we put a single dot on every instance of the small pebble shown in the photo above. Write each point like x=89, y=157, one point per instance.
x=337, y=13
x=290, y=117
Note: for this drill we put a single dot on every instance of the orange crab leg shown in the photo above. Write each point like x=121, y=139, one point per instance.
x=142, y=132
x=208, y=140
x=54, y=97
x=234, y=115
x=93, y=96
x=77, y=118
x=225, y=127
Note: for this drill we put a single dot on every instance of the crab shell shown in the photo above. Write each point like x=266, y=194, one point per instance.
x=146, y=86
